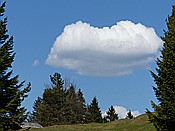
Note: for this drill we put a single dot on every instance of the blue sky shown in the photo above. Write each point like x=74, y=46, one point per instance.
x=35, y=26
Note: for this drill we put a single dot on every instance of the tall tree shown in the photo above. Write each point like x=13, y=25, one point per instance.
x=49, y=110
x=81, y=107
x=72, y=105
x=11, y=92
x=111, y=114
x=75, y=105
x=35, y=115
x=164, y=116
x=60, y=104
x=94, y=112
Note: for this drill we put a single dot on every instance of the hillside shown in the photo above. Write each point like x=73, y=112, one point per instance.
x=139, y=123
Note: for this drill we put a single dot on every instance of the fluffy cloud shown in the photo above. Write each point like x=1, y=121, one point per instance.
x=122, y=112
x=113, y=51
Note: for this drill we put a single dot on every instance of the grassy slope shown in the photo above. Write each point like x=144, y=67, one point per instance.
x=139, y=123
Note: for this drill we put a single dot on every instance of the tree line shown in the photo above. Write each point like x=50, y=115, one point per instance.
x=62, y=104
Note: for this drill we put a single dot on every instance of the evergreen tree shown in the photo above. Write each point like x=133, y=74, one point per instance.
x=59, y=105
x=164, y=116
x=111, y=114
x=88, y=118
x=129, y=115
x=50, y=109
x=72, y=104
x=105, y=120
x=35, y=115
x=94, y=113
x=81, y=107
x=76, y=105
x=11, y=94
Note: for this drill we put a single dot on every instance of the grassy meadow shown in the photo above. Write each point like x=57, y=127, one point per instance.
x=139, y=123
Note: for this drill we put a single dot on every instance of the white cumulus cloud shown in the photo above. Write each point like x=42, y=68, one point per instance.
x=122, y=112
x=107, y=51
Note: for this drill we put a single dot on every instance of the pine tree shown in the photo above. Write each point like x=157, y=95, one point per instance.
x=164, y=116
x=60, y=104
x=35, y=115
x=75, y=105
x=111, y=114
x=11, y=94
x=105, y=120
x=94, y=113
x=72, y=105
x=129, y=115
x=50, y=109
x=81, y=107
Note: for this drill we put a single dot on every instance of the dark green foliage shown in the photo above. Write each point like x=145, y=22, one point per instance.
x=105, y=120
x=111, y=114
x=35, y=115
x=72, y=105
x=48, y=110
x=129, y=115
x=81, y=107
x=76, y=104
x=11, y=94
x=59, y=105
x=164, y=116
x=93, y=113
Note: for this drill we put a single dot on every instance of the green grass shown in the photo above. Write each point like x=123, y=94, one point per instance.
x=139, y=123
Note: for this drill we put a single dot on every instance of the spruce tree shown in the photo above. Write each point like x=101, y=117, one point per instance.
x=11, y=94
x=60, y=104
x=94, y=112
x=75, y=105
x=105, y=120
x=50, y=109
x=81, y=107
x=71, y=100
x=35, y=115
x=164, y=116
x=111, y=114
x=129, y=115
